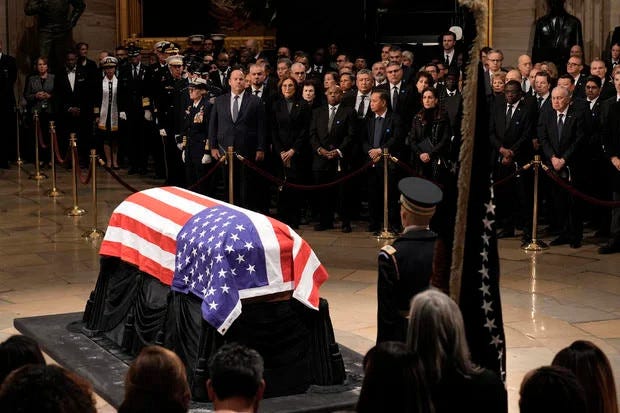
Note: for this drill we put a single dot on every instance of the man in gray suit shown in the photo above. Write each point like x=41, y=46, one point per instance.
x=237, y=120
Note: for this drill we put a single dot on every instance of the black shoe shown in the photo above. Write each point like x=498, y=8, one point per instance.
x=321, y=227
x=575, y=244
x=346, y=228
x=506, y=233
x=559, y=241
x=609, y=248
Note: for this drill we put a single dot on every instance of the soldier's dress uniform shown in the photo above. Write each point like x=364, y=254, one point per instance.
x=406, y=266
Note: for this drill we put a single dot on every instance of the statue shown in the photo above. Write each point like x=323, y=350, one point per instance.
x=555, y=34
x=55, y=22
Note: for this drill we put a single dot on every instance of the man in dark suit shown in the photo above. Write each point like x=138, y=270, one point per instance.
x=331, y=134
x=405, y=267
x=573, y=68
x=611, y=140
x=402, y=99
x=8, y=76
x=220, y=76
x=561, y=133
x=135, y=78
x=73, y=93
x=614, y=57
x=448, y=54
x=238, y=120
x=598, y=68
x=384, y=130
x=511, y=129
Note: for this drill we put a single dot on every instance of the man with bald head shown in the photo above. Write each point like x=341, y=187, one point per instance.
x=524, y=65
x=561, y=132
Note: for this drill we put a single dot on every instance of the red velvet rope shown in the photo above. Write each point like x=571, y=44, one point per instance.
x=59, y=158
x=284, y=183
x=39, y=132
x=89, y=175
x=116, y=177
x=512, y=175
x=208, y=174
x=587, y=198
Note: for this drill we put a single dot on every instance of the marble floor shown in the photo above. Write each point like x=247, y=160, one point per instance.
x=549, y=299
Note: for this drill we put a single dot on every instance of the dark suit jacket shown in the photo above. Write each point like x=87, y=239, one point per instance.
x=33, y=85
x=580, y=87
x=517, y=135
x=607, y=90
x=214, y=76
x=340, y=137
x=572, y=135
x=290, y=130
x=8, y=76
x=138, y=90
x=196, y=125
x=610, y=136
x=408, y=102
x=392, y=135
x=247, y=134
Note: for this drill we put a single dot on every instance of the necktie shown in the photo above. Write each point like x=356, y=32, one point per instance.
x=235, y=108
x=524, y=85
x=508, y=115
x=540, y=100
x=135, y=72
x=447, y=60
x=256, y=92
x=360, y=108
x=376, y=139
x=108, y=123
x=330, y=121
x=560, y=126
x=394, y=98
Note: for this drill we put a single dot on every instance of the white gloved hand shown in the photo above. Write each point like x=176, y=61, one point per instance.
x=206, y=158
x=122, y=115
x=162, y=133
x=183, y=156
x=180, y=146
x=148, y=116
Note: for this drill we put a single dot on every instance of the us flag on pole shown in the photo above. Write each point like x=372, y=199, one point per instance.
x=216, y=251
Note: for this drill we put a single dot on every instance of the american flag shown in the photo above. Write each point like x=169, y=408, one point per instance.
x=216, y=251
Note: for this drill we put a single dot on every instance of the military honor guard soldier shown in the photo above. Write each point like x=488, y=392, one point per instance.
x=406, y=266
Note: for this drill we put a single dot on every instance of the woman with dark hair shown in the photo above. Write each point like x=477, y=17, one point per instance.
x=38, y=93
x=551, y=389
x=593, y=371
x=393, y=381
x=436, y=334
x=40, y=388
x=156, y=382
x=289, y=131
x=330, y=79
x=17, y=351
x=309, y=94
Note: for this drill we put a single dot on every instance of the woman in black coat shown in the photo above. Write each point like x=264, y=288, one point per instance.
x=289, y=131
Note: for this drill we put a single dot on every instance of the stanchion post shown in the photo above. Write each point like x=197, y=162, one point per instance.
x=75, y=211
x=386, y=233
x=53, y=192
x=37, y=175
x=535, y=244
x=94, y=233
x=231, y=186
x=17, y=136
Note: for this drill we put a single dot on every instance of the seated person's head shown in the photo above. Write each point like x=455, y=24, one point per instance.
x=40, y=388
x=236, y=378
x=156, y=382
x=393, y=381
x=17, y=351
x=593, y=372
x=436, y=333
x=551, y=389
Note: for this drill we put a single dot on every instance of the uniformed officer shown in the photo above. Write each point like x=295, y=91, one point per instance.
x=405, y=267
x=194, y=50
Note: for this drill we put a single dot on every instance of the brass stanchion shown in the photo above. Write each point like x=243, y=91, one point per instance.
x=37, y=175
x=231, y=185
x=94, y=233
x=75, y=211
x=17, y=135
x=535, y=244
x=386, y=233
x=54, y=192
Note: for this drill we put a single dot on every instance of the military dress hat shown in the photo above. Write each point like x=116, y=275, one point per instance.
x=161, y=46
x=175, y=60
x=196, y=38
x=419, y=196
x=170, y=49
x=133, y=51
x=198, y=83
x=109, y=61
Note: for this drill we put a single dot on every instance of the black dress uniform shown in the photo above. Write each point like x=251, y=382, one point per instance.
x=405, y=267
x=195, y=129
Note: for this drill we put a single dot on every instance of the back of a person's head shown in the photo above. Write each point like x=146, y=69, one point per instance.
x=594, y=373
x=156, y=382
x=436, y=333
x=37, y=388
x=393, y=381
x=550, y=389
x=17, y=351
x=236, y=371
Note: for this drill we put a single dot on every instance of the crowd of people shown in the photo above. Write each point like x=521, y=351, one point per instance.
x=431, y=372
x=313, y=118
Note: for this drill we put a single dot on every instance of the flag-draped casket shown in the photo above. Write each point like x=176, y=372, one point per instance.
x=191, y=273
